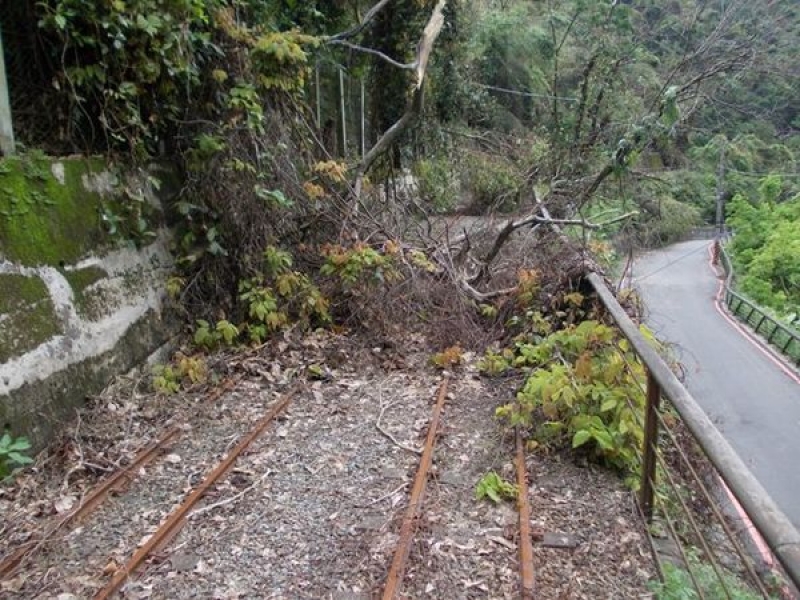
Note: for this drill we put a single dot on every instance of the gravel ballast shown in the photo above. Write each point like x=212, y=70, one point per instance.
x=313, y=507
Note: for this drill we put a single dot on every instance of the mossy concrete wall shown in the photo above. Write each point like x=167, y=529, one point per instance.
x=77, y=305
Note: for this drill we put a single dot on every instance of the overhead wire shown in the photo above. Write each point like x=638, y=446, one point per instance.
x=670, y=263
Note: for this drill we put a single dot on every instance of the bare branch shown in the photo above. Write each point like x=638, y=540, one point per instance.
x=483, y=296
x=378, y=53
x=586, y=224
x=371, y=13
x=598, y=179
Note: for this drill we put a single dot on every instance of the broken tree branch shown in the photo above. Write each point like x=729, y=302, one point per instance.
x=509, y=226
x=429, y=35
x=426, y=44
x=378, y=53
x=484, y=296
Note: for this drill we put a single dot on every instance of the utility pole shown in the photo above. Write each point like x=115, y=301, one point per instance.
x=721, y=191
x=6, y=128
x=363, y=122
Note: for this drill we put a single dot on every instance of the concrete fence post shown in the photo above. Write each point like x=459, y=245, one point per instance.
x=6, y=130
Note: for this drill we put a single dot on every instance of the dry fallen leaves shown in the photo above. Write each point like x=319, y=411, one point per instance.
x=64, y=504
x=111, y=568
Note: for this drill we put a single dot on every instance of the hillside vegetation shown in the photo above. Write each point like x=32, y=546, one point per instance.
x=318, y=142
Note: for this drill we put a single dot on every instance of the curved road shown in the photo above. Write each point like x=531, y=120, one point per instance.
x=751, y=400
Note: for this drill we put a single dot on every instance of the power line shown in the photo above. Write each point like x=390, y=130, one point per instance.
x=528, y=94
x=670, y=263
x=730, y=170
x=757, y=174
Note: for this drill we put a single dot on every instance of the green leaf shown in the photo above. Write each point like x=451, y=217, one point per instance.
x=603, y=439
x=492, y=486
x=228, y=330
x=21, y=443
x=580, y=438
x=19, y=459
x=608, y=405
x=216, y=250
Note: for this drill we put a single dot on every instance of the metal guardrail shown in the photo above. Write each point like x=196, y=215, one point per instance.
x=774, y=332
x=708, y=232
x=771, y=523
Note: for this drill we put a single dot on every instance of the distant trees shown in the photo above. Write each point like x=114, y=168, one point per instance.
x=766, y=246
x=589, y=109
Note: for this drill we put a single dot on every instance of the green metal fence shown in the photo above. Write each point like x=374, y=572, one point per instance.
x=778, y=335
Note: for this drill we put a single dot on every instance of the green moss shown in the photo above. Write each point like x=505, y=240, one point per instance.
x=27, y=315
x=18, y=291
x=42, y=408
x=90, y=304
x=43, y=221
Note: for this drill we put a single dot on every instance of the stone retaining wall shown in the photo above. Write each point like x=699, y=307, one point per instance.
x=77, y=305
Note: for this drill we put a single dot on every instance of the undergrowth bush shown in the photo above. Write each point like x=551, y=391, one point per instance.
x=492, y=181
x=583, y=390
x=678, y=584
x=273, y=298
x=13, y=454
x=183, y=371
x=671, y=222
x=495, y=488
x=437, y=185
x=218, y=86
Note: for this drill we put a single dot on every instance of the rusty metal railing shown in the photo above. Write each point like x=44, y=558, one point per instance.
x=769, y=521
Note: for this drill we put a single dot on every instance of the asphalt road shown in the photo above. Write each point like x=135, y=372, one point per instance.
x=754, y=404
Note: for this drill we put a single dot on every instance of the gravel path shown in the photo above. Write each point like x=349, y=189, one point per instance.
x=599, y=548
x=313, y=507
x=316, y=507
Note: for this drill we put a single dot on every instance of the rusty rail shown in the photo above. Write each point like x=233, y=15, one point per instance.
x=394, y=579
x=771, y=523
x=527, y=581
x=94, y=499
x=99, y=494
x=175, y=520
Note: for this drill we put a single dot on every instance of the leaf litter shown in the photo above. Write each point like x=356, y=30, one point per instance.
x=313, y=508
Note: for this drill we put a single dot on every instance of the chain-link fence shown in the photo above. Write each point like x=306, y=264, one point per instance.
x=39, y=111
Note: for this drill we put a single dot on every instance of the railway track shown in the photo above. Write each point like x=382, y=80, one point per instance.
x=170, y=527
x=91, y=502
x=148, y=555
x=113, y=484
x=393, y=588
